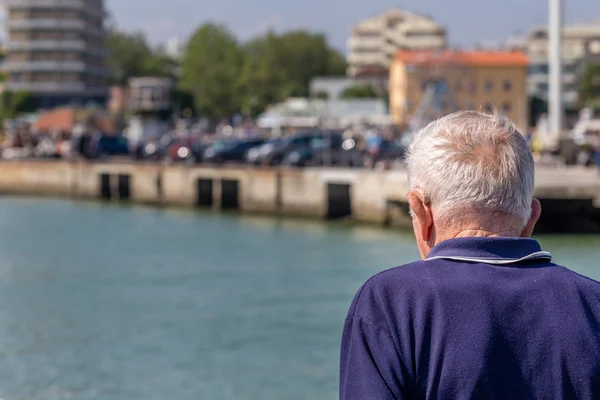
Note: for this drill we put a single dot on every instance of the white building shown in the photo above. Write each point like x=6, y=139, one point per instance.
x=581, y=44
x=175, y=48
x=375, y=41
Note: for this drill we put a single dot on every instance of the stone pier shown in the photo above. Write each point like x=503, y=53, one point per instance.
x=570, y=196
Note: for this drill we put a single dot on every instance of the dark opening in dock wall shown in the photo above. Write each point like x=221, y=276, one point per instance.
x=278, y=191
x=230, y=194
x=339, y=203
x=124, y=186
x=159, y=187
x=204, y=192
x=568, y=216
x=105, y=190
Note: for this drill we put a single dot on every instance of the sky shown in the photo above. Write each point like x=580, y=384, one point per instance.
x=468, y=22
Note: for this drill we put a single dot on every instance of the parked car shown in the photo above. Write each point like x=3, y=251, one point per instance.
x=154, y=148
x=111, y=146
x=181, y=149
x=330, y=150
x=255, y=155
x=232, y=151
x=100, y=146
x=388, y=152
x=274, y=152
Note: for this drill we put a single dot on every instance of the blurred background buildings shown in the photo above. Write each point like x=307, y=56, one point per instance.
x=398, y=69
x=56, y=50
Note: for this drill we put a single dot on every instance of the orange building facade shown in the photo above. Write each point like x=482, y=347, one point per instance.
x=475, y=80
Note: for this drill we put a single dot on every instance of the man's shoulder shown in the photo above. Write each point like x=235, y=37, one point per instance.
x=402, y=281
x=566, y=274
x=402, y=274
x=415, y=282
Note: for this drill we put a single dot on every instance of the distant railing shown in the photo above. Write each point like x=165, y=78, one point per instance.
x=76, y=45
x=46, y=23
x=68, y=4
x=53, y=87
x=71, y=66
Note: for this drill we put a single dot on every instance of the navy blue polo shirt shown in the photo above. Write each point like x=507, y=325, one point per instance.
x=481, y=318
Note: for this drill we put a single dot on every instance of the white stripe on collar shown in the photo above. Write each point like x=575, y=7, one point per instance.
x=540, y=255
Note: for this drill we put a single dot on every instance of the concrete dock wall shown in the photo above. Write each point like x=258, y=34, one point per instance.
x=364, y=195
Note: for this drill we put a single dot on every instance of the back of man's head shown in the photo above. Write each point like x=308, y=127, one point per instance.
x=473, y=167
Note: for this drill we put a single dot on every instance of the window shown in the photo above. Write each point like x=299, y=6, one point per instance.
x=472, y=87
x=507, y=86
x=541, y=69
x=458, y=86
x=489, y=86
x=506, y=107
x=540, y=34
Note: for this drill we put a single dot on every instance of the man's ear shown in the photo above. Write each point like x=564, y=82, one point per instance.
x=423, y=215
x=536, y=211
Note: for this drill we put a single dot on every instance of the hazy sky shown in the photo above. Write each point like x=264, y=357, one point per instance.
x=468, y=21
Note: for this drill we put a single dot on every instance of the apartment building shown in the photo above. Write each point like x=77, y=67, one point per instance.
x=580, y=45
x=56, y=50
x=375, y=41
x=472, y=80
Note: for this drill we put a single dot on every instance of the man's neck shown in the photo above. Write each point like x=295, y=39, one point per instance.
x=474, y=232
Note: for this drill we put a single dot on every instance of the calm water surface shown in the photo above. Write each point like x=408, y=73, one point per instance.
x=108, y=302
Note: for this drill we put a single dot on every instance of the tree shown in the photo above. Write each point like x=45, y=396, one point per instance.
x=280, y=66
x=131, y=56
x=589, y=91
x=210, y=71
x=15, y=103
x=360, y=92
x=322, y=95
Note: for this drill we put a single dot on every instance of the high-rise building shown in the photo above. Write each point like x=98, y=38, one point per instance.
x=441, y=83
x=56, y=49
x=375, y=41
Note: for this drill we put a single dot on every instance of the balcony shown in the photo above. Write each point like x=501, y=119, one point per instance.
x=30, y=24
x=97, y=33
x=364, y=42
x=47, y=87
x=97, y=52
x=98, y=71
x=29, y=4
x=46, y=45
x=44, y=66
x=54, y=4
x=357, y=58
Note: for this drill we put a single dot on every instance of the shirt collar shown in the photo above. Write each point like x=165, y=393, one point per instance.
x=490, y=250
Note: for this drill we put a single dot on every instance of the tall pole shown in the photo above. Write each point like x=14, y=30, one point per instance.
x=555, y=57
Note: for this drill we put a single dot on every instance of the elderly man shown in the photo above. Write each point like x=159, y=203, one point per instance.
x=486, y=314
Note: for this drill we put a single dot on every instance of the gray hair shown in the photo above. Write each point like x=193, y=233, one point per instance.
x=473, y=160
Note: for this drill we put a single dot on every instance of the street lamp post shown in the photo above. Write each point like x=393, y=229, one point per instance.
x=556, y=110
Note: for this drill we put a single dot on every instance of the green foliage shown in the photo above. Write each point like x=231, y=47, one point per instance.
x=589, y=91
x=210, y=71
x=131, y=56
x=360, y=92
x=225, y=77
x=280, y=66
x=15, y=103
x=322, y=95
